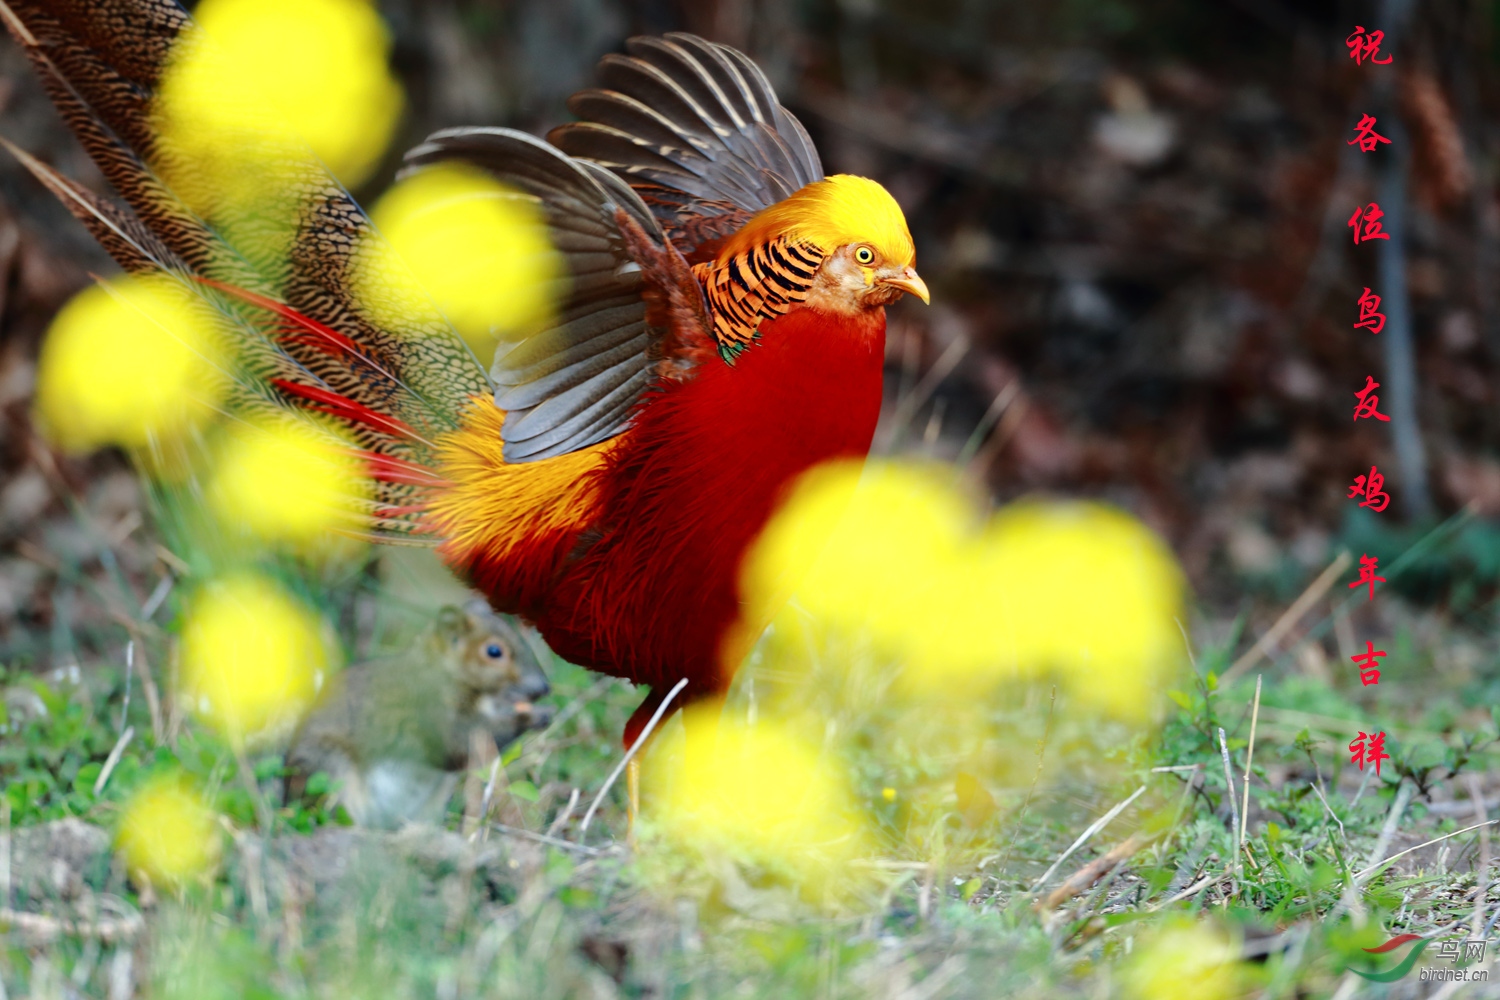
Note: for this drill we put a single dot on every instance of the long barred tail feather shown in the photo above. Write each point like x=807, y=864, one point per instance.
x=302, y=341
x=281, y=269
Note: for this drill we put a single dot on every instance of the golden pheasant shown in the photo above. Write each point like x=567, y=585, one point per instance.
x=722, y=331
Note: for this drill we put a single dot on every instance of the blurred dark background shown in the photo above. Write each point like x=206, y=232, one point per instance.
x=1132, y=216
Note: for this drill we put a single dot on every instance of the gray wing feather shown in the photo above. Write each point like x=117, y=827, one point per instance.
x=577, y=382
x=696, y=121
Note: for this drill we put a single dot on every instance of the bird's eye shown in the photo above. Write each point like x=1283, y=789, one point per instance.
x=864, y=255
x=493, y=651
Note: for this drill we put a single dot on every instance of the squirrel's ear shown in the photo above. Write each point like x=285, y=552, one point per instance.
x=452, y=623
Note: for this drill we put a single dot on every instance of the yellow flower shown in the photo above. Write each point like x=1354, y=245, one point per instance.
x=273, y=72
x=478, y=248
x=759, y=791
x=282, y=481
x=133, y=362
x=1183, y=961
x=252, y=657
x=861, y=549
x=899, y=555
x=1086, y=589
x=168, y=833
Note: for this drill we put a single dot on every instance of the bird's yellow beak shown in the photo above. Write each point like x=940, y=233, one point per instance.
x=909, y=281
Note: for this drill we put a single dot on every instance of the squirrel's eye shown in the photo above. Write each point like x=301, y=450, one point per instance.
x=493, y=651
x=864, y=255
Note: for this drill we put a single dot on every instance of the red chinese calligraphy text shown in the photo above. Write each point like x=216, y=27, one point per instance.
x=1365, y=135
x=1370, y=316
x=1369, y=487
x=1367, y=567
x=1369, y=403
x=1368, y=217
x=1367, y=662
x=1368, y=748
x=1364, y=46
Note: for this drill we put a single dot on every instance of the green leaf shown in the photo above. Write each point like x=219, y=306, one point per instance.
x=83, y=781
x=319, y=783
x=558, y=867
x=1182, y=700
x=523, y=789
x=510, y=754
x=581, y=899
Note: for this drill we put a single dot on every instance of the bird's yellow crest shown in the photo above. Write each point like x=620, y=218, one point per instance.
x=831, y=213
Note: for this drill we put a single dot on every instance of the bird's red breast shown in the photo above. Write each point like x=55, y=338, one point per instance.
x=627, y=556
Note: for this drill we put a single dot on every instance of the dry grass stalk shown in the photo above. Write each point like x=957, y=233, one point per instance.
x=640, y=741
x=1249, y=760
x=1365, y=873
x=39, y=928
x=1481, y=877
x=1234, y=809
x=1268, y=642
x=1083, y=837
x=1093, y=871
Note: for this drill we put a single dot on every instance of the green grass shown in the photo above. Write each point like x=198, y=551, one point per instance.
x=968, y=804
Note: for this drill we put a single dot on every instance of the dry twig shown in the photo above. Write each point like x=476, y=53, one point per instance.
x=1093, y=871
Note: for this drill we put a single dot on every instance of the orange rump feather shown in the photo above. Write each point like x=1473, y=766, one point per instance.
x=508, y=526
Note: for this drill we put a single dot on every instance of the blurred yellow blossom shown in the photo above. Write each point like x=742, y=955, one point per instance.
x=276, y=75
x=759, y=791
x=285, y=481
x=167, y=832
x=130, y=362
x=1184, y=960
x=477, y=247
x=1085, y=588
x=252, y=656
x=896, y=553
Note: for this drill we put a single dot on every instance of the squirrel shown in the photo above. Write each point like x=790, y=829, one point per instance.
x=393, y=733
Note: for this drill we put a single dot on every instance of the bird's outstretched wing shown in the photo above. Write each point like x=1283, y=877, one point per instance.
x=577, y=382
x=696, y=129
